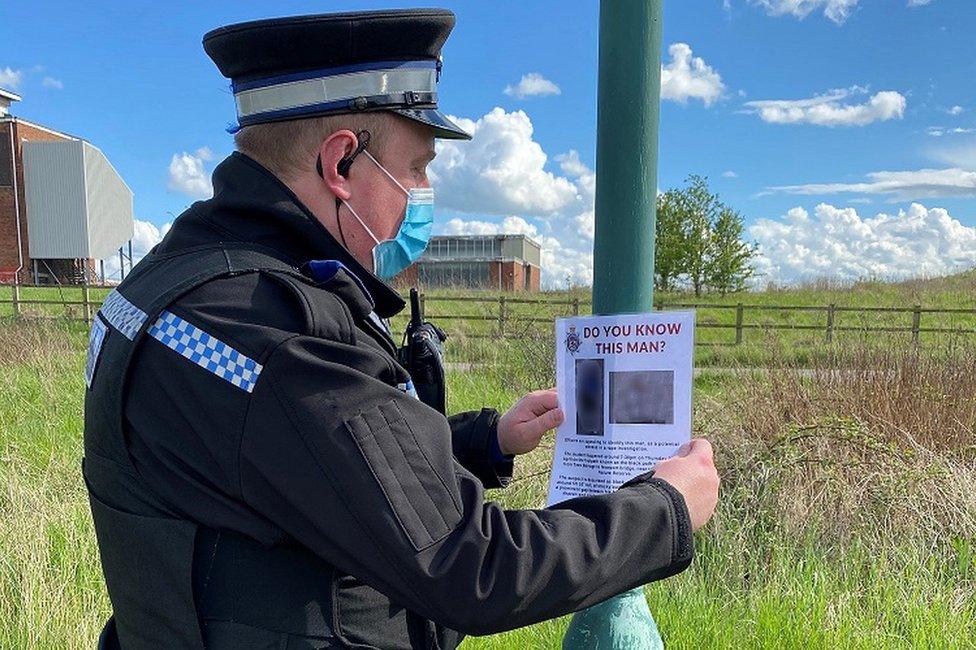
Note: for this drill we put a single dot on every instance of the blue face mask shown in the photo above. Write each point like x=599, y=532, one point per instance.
x=394, y=255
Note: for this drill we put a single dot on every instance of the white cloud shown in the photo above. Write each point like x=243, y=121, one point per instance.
x=687, y=77
x=51, y=82
x=500, y=171
x=956, y=110
x=838, y=243
x=836, y=10
x=830, y=108
x=560, y=263
x=729, y=174
x=145, y=236
x=903, y=185
x=188, y=176
x=956, y=152
x=10, y=78
x=532, y=84
x=939, y=131
x=585, y=178
x=500, y=175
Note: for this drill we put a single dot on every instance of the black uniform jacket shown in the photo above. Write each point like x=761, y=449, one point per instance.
x=328, y=452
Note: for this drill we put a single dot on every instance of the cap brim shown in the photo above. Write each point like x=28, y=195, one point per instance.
x=443, y=127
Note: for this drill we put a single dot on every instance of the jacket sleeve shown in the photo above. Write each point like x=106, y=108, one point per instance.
x=474, y=438
x=364, y=476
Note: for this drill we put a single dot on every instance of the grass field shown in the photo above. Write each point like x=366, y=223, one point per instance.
x=847, y=517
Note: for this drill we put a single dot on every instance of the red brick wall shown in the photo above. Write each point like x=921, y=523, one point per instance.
x=534, y=279
x=8, y=215
x=406, y=278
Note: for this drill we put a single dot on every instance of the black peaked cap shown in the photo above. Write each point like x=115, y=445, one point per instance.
x=276, y=48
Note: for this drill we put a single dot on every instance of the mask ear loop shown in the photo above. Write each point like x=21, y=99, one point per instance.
x=388, y=174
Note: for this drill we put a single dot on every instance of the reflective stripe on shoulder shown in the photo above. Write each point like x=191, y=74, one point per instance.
x=206, y=351
x=122, y=314
x=95, y=339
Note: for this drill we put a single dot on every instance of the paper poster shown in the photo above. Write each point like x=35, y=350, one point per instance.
x=624, y=385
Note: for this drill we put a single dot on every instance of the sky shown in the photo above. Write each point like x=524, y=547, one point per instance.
x=843, y=131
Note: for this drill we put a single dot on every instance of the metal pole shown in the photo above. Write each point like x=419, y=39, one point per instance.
x=628, y=114
x=629, y=97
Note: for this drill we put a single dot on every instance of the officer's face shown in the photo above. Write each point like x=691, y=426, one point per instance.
x=406, y=151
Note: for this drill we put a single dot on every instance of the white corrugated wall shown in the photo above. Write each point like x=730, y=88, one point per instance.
x=77, y=204
x=109, y=205
x=54, y=183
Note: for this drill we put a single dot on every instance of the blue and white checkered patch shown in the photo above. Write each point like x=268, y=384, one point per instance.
x=408, y=388
x=123, y=315
x=206, y=351
x=95, y=340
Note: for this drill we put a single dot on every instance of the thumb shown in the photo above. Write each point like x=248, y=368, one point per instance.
x=684, y=449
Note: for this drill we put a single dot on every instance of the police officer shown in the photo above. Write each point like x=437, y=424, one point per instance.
x=260, y=472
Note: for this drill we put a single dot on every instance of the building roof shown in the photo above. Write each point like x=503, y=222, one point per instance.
x=485, y=237
x=6, y=94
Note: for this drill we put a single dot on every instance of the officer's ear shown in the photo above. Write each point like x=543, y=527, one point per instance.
x=332, y=152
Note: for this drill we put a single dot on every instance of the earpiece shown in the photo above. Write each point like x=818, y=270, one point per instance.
x=343, y=166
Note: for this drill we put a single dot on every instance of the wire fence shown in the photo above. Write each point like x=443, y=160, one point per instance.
x=509, y=316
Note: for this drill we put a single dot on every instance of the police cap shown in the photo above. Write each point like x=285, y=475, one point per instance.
x=327, y=64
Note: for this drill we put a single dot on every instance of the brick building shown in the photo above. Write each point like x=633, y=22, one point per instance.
x=64, y=209
x=503, y=262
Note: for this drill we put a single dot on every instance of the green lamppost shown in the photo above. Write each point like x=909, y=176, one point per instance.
x=628, y=104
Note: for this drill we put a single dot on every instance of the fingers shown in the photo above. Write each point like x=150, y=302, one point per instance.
x=700, y=447
x=553, y=418
x=543, y=400
x=544, y=422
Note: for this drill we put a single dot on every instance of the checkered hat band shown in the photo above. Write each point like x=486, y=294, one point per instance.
x=206, y=351
x=123, y=315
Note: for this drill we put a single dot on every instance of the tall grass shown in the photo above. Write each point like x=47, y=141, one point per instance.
x=847, y=516
x=51, y=592
x=848, y=509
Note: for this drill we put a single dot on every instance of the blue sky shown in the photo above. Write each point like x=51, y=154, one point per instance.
x=788, y=106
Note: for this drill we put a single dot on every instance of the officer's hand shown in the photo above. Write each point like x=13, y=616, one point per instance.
x=523, y=425
x=692, y=473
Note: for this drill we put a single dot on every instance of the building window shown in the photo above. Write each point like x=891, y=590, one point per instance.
x=6, y=170
x=454, y=274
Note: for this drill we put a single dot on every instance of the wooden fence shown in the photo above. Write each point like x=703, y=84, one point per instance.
x=739, y=324
x=508, y=315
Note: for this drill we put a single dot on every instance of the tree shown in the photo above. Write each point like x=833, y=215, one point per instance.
x=701, y=209
x=731, y=264
x=669, y=258
x=699, y=239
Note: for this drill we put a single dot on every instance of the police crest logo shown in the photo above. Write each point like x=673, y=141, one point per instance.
x=573, y=340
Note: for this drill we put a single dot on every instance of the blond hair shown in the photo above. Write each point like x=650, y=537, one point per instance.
x=291, y=147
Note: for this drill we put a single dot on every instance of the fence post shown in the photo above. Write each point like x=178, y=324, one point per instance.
x=916, y=323
x=738, y=323
x=422, y=299
x=576, y=306
x=830, y=323
x=501, y=316
x=16, y=298
x=86, y=298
